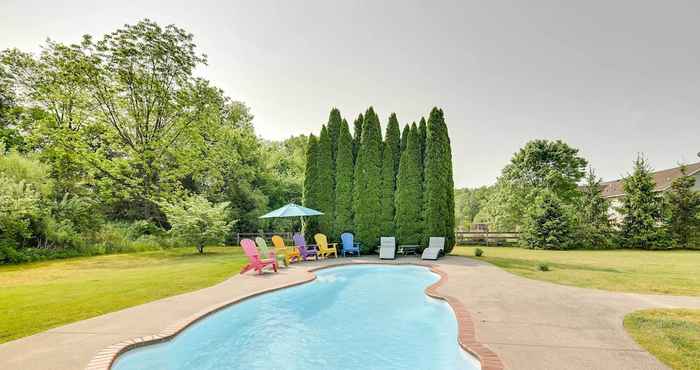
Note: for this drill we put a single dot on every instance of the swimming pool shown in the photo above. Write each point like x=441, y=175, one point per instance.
x=351, y=317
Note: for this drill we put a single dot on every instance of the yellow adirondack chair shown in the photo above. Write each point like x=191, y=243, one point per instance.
x=324, y=248
x=290, y=254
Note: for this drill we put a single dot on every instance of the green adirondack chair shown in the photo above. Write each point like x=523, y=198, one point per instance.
x=266, y=252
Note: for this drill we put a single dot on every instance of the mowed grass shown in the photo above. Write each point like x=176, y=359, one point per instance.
x=39, y=296
x=655, y=272
x=673, y=336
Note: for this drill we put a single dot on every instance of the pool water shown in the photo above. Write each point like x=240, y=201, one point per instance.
x=352, y=317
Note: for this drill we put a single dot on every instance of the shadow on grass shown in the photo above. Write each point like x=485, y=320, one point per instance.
x=521, y=264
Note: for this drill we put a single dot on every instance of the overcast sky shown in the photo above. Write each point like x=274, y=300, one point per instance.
x=611, y=78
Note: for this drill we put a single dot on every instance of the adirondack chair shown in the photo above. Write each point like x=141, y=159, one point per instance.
x=349, y=245
x=265, y=251
x=290, y=254
x=255, y=262
x=305, y=250
x=324, y=248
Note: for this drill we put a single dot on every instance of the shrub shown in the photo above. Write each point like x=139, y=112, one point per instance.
x=197, y=221
x=141, y=228
x=478, y=252
x=542, y=266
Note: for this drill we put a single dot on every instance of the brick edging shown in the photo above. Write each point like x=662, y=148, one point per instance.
x=466, y=338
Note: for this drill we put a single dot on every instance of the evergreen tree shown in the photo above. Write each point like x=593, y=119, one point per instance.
x=683, y=213
x=404, y=136
x=641, y=209
x=357, y=136
x=326, y=186
x=439, y=184
x=334, y=122
x=310, y=194
x=547, y=224
x=594, y=229
x=423, y=131
x=343, y=182
x=368, y=182
x=409, y=192
x=390, y=165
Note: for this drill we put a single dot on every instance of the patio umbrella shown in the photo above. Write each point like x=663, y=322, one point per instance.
x=292, y=210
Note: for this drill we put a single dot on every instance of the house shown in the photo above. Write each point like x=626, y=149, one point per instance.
x=614, y=191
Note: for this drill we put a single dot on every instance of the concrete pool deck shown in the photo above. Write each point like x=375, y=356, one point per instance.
x=529, y=324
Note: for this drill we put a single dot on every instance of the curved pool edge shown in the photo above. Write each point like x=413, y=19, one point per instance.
x=466, y=336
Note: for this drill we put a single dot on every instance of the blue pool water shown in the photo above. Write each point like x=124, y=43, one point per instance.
x=353, y=317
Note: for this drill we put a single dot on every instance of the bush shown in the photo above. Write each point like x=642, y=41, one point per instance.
x=543, y=266
x=478, y=252
x=141, y=228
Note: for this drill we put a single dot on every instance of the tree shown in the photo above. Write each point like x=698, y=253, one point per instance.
x=357, y=136
x=594, y=229
x=367, y=185
x=333, y=126
x=325, y=185
x=409, y=192
x=197, y=221
x=390, y=166
x=641, y=209
x=311, y=176
x=344, y=181
x=547, y=224
x=404, y=137
x=439, y=184
x=683, y=210
x=423, y=133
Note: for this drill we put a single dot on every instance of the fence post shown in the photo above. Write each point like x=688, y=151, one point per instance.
x=238, y=239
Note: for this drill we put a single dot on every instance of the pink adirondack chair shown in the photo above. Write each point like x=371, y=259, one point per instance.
x=256, y=263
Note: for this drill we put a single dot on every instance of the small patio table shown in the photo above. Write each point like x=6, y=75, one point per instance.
x=405, y=249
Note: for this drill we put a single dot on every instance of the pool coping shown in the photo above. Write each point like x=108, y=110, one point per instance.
x=466, y=336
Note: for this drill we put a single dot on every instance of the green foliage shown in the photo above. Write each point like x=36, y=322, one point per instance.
x=469, y=203
x=197, y=221
x=344, y=174
x=423, y=134
x=547, y=224
x=357, y=136
x=390, y=165
x=367, y=183
x=439, y=184
x=478, y=252
x=19, y=209
x=325, y=183
x=683, y=211
x=333, y=126
x=404, y=137
x=311, y=185
x=641, y=210
x=593, y=226
x=409, y=192
x=543, y=266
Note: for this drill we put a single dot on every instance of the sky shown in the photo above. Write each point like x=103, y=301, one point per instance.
x=611, y=78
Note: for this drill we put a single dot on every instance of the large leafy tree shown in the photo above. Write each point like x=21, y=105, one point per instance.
x=594, y=229
x=409, y=192
x=357, y=135
x=367, y=185
x=641, y=209
x=683, y=210
x=390, y=166
x=325, y=184
x=439, y=184
x=344, y=174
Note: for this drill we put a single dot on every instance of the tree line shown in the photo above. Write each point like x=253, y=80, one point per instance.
x=547, y=192
x=399, y=185
x=113, y=143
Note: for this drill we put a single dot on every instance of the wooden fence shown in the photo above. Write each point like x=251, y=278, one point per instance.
x=487, y=238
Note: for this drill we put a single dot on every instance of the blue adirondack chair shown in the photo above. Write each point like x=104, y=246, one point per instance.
x=349, y=246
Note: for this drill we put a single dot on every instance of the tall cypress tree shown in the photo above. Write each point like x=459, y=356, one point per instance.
x=390, y=165
x=310, y=194
x=439, y=184
x=334, y=122
x=404, y=137
x=357, y=136
x=368, y=183
x=409, y=192
x=423, y=133
x=343, y=181
x=326, y=186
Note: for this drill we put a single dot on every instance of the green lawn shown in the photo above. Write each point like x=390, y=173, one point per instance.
x=39, y=296
x=673, y=336
x=656, y=272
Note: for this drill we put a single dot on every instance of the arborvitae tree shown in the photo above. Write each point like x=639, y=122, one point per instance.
x=357, y=136
x=594, y=229
x=326, y=186
x=439, y=184
x=409, y=192
x=390, y=165
x=334, y=122
x=423, y=132
x=641, y=209
x=547, y=224
x=343, y=182
x=311, y=175
x=683, y=210
x=404, y=136
x=368, y=182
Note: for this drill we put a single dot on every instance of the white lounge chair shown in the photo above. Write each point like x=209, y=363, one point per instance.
x=387, y=248
x=435, y=247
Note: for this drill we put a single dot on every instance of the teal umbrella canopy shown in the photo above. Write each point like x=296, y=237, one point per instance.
x=292, y=210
